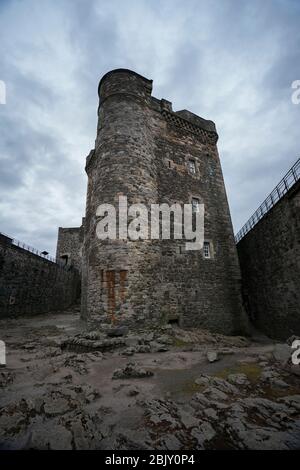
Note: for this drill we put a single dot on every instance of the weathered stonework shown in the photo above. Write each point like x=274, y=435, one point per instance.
x=269, y=257
x=142, y=151
x=30, y=284
x=69, y=246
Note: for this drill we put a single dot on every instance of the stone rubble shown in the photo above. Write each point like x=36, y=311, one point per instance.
x=168, y=397
x=131, y=370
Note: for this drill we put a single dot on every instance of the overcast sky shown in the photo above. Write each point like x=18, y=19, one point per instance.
x=231, y=61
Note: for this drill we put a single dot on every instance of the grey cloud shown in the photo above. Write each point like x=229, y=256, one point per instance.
x=232, y=62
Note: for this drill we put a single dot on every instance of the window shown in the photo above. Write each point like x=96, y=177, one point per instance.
x=192, y=167
x=65, y=259
x=195, y=204
x=206, y=250
x=210, y=171
x=180, y=250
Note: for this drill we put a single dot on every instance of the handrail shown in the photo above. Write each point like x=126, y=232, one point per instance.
x=29, y=248
x=292, y=176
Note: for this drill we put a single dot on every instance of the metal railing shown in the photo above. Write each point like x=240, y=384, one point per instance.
x=29, y=248
x=292, y=176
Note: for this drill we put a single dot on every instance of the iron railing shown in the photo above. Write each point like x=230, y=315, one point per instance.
x=26, y=247
x=292, y=176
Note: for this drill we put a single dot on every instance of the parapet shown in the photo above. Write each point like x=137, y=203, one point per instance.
x=197, y=120
x=124, y=81
x=127, y=82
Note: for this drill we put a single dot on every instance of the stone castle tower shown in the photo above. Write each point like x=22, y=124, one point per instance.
x=151, y=154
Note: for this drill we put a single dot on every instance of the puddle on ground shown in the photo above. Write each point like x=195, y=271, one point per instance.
x=178, y=383
x=252, y=371
x=181, y=382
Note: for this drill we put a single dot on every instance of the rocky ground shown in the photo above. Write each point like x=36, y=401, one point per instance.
x=66, y=386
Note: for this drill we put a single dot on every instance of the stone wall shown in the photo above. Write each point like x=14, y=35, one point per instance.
x=30, y=284
x=142, y=151
x=270, y=263
x=69, y=246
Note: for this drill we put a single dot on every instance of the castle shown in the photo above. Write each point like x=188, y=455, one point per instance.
x=151, y=154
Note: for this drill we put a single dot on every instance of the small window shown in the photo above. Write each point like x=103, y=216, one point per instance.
x=65, y=259
x=180, y=250
x=206, y=250
x=210, y=171
x=192, y=167
x=195, y=204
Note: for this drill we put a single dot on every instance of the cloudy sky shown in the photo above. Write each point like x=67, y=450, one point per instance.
x=231, y=61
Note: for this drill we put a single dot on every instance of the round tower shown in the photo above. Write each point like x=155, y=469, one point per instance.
x=122, y=164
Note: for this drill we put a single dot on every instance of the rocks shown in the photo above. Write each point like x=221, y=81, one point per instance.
x=295, y=370
x=244, y=406
x=224, y=385
x=248, y=360
x=50, y=436
x=215, y=394
x=282, y=353
x=164, y=339
x=157, y=347
x=187, y=419
x=143, y=348
x=118, y=331
x=81, y=442
x=131, y=371
x=55, y=406
x=210, y=381
x=167, y=327
x=93, y=335
x=204, y=433
x=211, y=414
x=291, y=339
x=163, y=415
x=128, y=351
x=292, y=401
x=140, y=348
x=146, y=338
x=212, y=356
x=226, y=351
x=79, y=344
x=95, y=356
x=132, y=340
x=47, y=418
x=133, y=392
x=203, y=380
x=85, y=429
x=238, y=379
x=171, y=442
x=6, y=378
x=279, y=383
x=269, y=374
